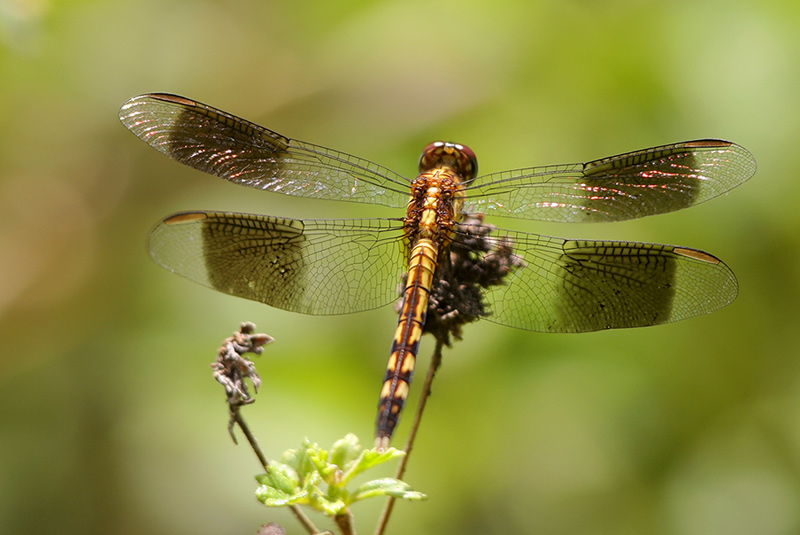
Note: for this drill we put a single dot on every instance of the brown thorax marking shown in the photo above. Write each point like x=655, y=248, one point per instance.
x=434, y=206
x=437, y=194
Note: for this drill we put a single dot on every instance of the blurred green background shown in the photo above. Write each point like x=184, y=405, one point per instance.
x=110, y=421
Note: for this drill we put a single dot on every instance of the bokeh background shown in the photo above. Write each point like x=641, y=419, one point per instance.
x=109, y=419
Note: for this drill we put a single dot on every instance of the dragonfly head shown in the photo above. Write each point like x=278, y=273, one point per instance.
x=459, y=158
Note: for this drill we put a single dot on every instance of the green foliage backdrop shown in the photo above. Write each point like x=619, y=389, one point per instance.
x=109, y=420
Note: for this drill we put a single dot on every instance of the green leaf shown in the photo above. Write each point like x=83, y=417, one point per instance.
x=299, y=460
x=369, y=459
x=388, y=486
x=327, y=506
x=272, y=497
x=345, y=450
x=281, y=477
x=312, y=481
x=318, y=457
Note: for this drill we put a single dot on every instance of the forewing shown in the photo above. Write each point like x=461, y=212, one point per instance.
x=579, y=286
x=636, y=184
x=243, y=152
x=312, y=266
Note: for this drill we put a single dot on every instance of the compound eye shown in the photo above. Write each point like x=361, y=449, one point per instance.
x=431, y=156
x=459, y=158
x=469, y=163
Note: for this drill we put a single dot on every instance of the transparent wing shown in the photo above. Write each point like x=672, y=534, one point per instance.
x=636, y=184
x=580, y=286
x=312, y=266
x=237, y=150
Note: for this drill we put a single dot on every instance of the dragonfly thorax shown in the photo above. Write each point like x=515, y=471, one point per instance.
x=443, y=154
x=435, y=206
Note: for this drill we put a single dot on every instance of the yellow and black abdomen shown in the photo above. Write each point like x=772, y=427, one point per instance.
x=421, y=269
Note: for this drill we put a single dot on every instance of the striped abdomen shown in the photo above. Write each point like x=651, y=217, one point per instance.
x=421, y=268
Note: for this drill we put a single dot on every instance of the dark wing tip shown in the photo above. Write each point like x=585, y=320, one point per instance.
x=697, y=255
x=707, y=143
x=125, y=113
x=183, y=217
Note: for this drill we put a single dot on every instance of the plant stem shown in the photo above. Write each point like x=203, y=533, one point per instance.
x=345, y=523
x=237, y=417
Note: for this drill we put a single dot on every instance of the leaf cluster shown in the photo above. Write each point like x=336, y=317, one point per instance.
x=318, y=478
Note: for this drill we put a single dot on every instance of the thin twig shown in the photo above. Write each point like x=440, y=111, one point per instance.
x=345, y=522
x=436, y=360
x=237, y=417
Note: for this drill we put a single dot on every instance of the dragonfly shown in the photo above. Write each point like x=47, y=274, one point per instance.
x=339, y=266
